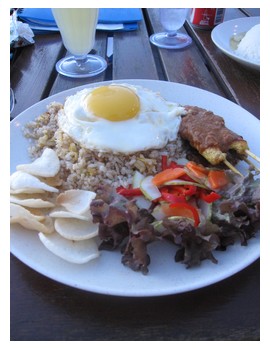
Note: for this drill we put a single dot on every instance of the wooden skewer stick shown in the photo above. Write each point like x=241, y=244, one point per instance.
x=251, y=164
x=230, y=166
x=252, y=155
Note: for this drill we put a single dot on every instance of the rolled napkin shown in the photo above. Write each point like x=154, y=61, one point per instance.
x=20, y=33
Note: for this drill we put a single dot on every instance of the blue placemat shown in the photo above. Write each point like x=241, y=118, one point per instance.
x=38, y=18
x=119, y=15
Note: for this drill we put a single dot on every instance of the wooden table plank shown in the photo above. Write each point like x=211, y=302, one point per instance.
x=42, y=309
x=33, y=70
x=133, y=58
x=241, y=85
x=251, y=11
x=184, y=65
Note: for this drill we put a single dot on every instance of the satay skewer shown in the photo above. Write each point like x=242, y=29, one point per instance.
x=241, y=147
x=230, y=166
x=251, y=164
x=207, y=133
x=252, y=155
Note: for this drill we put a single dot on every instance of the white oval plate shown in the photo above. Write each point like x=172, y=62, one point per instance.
x=106, y=274
x=222, y=34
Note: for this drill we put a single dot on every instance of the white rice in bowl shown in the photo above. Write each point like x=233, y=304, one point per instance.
x=249, y=46
x=85, y=169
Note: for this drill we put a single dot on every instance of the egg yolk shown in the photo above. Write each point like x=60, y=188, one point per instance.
x=114, y=103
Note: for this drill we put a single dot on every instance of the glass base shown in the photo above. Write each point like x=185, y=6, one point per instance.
x=76, y=67
x=166, y=41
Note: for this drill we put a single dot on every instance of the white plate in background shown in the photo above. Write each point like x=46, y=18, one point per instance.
x=222, y=34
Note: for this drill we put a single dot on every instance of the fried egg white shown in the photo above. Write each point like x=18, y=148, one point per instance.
x=120, y=118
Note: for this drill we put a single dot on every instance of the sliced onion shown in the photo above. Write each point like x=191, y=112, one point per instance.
x=149, y=190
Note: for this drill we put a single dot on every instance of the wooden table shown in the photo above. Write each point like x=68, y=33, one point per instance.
x=42, y=309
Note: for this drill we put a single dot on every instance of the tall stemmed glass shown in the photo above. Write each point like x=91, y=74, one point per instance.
x=172, y=19
x=78, y=29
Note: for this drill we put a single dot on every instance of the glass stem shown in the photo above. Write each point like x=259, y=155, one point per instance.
x=171, y=34
x=80, y=61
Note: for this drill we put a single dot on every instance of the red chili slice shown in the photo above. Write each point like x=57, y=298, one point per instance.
x=164, y=162
x=129, y=192
x=172, y=198
x=209, y=197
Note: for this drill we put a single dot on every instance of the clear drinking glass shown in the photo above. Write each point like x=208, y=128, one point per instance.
x=78, y=30
x=172, y=19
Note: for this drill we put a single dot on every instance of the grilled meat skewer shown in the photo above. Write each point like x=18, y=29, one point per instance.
x=207, y=133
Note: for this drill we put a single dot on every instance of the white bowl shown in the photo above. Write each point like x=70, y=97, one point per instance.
x=222, y=34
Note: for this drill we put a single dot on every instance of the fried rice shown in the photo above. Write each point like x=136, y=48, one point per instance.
x=86, y=169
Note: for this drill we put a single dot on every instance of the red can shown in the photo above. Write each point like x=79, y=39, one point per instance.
x=206, y=18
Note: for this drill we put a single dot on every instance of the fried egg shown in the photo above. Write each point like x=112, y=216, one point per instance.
x=120, y=118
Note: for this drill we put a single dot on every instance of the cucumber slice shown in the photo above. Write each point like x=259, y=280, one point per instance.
x=149, y=190
x=183, y=183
